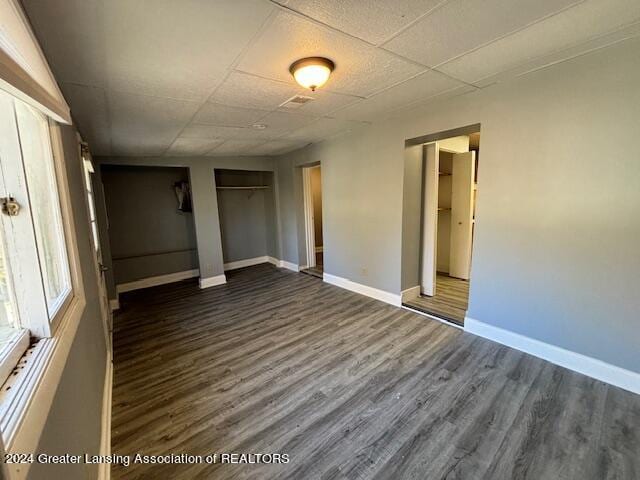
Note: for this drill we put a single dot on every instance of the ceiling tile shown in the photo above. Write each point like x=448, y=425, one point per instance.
x=177, y=49
x=249, y=91
x=323, y=102
x=71, y=34
x=373, y=20
x=322, y=129
x=277, y=147
x=89, y=112
x=426, y=85
x=360, y=69
x=196, y=130
x=582, y=24
x=184, y=147
x=235, y=147
x=459, y=26
x=142, y=125
x=244, y=90
x=223, y=115
x=279, y=123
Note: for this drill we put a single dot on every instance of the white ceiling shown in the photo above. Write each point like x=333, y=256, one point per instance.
x=191, y=77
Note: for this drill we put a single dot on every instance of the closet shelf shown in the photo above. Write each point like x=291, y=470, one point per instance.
x=251, y=187
x=445, y=209
x=444, y=174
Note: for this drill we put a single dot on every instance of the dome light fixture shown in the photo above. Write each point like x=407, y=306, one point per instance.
x=312, y=72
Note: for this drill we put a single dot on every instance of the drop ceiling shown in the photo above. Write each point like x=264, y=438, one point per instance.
x=194, y=77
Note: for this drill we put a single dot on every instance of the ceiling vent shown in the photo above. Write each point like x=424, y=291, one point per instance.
x=296, y=102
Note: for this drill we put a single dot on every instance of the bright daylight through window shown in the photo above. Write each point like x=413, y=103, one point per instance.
x=35, y=281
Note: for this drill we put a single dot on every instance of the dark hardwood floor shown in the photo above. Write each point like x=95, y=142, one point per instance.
x=450, y=301
x=350, y=388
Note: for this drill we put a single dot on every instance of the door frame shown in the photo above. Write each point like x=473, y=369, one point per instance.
x=87, y=165
x=429, y=215
x=309, y=227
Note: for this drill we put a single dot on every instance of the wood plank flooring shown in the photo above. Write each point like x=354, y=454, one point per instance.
x=450, y=301
x=350, y=388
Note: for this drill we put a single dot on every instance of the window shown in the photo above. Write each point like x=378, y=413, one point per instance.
x=35, y=279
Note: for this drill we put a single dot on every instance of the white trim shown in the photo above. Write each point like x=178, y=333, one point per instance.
x=290, y=266
x=410, y=293
x=12, y=351
x=155, y=281
x=275, y=261
x=309, y=227
x=24, y=70
x=577, y=362
x=26, y=407
x=284, y=264
x=114, y=304
x=432, y=317
x=381, y=295
x=213, y=281
x=248, y=262
x=104, y=469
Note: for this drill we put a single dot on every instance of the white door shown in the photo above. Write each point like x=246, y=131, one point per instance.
x=99, y=267
x=310, y=233
x=462, y=179
x=429, y=219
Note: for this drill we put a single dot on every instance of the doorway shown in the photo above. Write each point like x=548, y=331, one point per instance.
x=449, y=190
x=312, y=185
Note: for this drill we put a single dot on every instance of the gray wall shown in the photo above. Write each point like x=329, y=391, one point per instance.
x=247, y=221
x=148, y=235
x=205, y=199
x=74, y=422
x=558, y=213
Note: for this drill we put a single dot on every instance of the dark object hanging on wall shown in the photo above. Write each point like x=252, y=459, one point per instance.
x=183, y=192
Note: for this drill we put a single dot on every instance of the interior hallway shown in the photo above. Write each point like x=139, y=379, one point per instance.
x=348, y=387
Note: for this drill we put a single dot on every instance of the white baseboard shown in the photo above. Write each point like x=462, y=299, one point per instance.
x=246, y=263
x=155, y=281
x=381, y=295
x=577, y=362
x=410, y=293
x=104, y=469
x=114, y=304
x=290, y=266
x=213, y=281
x=275, y=261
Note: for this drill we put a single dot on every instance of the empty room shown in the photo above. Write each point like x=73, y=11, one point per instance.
x=294, y=239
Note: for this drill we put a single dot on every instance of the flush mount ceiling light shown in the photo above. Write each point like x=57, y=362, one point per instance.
x=312, y=72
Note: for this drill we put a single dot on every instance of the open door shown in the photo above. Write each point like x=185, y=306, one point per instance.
x=100, y=269
x=429, y=219
x=309, y=221
x=462, y=180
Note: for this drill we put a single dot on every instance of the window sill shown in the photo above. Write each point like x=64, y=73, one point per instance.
x=13, y=344
x=25, y=406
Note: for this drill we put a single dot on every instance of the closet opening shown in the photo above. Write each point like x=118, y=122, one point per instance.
x=449, y=188
x=312, y=189
x=247, y=216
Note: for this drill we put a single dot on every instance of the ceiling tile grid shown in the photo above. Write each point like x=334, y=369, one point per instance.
x=361, y=69
x=194, y=77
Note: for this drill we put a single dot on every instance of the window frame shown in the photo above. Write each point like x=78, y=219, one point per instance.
x=24, y=407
